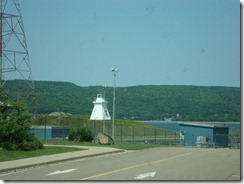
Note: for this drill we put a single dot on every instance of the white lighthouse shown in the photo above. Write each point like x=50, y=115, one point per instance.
x=100, y=110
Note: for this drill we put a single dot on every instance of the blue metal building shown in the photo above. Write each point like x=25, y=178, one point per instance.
x=203, y=135
x=50, y=132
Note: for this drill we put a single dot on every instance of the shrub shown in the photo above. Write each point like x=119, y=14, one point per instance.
x=15, y=125
x=81, y=135
x=10, y=146
x=31, y=143
x=88, y=135
x=72, y=135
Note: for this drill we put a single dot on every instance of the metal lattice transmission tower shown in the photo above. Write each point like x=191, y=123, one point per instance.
x=14, y=55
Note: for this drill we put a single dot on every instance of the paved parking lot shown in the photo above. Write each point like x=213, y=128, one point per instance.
x=161, y=164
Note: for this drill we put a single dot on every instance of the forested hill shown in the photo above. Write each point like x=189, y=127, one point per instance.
x=149, y=102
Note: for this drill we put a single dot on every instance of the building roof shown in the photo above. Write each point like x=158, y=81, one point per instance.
x=203, y=124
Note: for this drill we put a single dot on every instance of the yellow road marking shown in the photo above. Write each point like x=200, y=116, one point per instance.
x=134, y=166
x=171, y=158
x=114, y=171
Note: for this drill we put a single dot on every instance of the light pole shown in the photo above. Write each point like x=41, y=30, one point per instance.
x=103, y=109
x=115, y=71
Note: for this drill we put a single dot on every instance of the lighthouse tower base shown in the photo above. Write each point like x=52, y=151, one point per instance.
x=100, y=110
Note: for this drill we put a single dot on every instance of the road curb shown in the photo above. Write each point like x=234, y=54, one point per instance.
x=40, y=163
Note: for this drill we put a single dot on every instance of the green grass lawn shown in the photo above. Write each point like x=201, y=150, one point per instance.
x=48, y=150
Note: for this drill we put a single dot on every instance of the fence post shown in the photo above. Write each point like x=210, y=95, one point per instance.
x=144, y=134
x=175, y=138
x=133, y=136
x=184, y=141
x=94, y=133
x=121, y=133
x=170, y=138
x=155, y=136
x=45, y=127
x=63, y=126
x=165, y=136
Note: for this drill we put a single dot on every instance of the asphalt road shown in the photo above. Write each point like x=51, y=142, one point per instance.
x=171, y=163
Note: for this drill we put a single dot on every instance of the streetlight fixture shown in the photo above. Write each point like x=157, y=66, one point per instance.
x=115, y=71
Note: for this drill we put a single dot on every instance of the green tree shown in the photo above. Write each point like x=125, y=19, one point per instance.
x=15, y=125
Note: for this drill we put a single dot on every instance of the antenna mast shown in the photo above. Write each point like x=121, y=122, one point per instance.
x=14, y=55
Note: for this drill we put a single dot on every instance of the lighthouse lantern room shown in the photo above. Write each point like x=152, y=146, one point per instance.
x=100, y=110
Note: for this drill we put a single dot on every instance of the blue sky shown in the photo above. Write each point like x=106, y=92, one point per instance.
x=151, y=42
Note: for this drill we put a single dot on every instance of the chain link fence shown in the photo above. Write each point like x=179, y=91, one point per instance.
x=132, y=134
